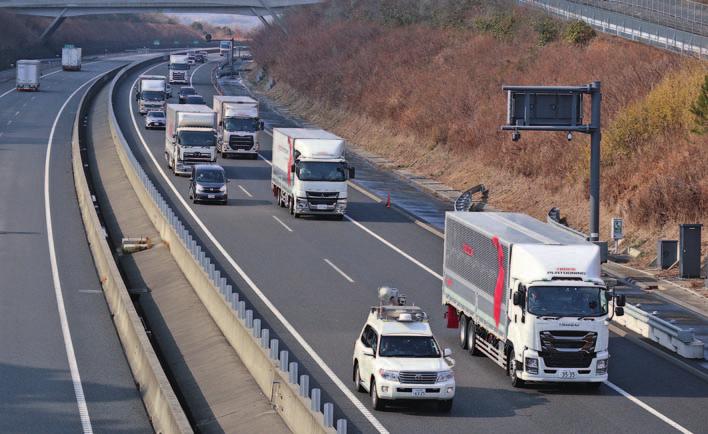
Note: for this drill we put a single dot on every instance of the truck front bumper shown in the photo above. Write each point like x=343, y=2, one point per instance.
x=394, y=390
x=303, y=206
x=589, y=374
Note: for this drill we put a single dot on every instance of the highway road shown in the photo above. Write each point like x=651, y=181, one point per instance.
x=62, y=367
x=321, y=276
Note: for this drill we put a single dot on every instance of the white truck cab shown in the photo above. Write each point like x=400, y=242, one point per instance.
x=396, y=356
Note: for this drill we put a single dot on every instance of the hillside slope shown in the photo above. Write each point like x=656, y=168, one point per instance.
x=420, y=83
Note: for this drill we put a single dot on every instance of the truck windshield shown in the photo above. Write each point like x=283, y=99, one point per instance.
x=151, y=95
x=567, y=301
x=241, y=124
x=179, y=66
x=197, y=138
x=408, y=346
x=317, y=171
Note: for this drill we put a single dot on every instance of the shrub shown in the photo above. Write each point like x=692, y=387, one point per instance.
x=700, y=109
x=579, y=33
x=500, y=25
x=548, y=30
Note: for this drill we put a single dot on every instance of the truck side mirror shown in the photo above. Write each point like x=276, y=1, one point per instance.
x=292, y=168
x=352, y=173
x=619, y=311
x=447, y=352
x=518, y=298
x=261, y=125
x=620, y=300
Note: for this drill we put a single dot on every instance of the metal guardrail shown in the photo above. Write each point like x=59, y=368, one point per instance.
x=686, y=336
x=232, y=298
x=466, y=201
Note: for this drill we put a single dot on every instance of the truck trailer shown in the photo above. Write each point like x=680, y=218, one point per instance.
x=309, y=172
x=71, y=58
x=238, y=125
x=179, y=68
x=151, y=93
x=27, y=75
x=190, y=136
x=527, y=295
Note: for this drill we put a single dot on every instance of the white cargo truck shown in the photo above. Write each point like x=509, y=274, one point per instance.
x=190, y=136
x=238, y=125
x=179, y=68
x=27, y=75
x=224, y=48
x=71, y=58
x=310, y=172
x=527, y=295
x=151, y=93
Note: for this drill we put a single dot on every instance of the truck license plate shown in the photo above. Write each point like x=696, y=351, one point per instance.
x=211, y=196
x=567, y=375
x=321, y=207
x=418, y=392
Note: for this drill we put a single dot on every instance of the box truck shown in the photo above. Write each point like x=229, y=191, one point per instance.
x=27, y=75
x=179, y=68
x=238, y=125
x=190, y=136
x=309, y=172
x=151, y=93
x=527, y=295
x=71, y=58
x=224, y=48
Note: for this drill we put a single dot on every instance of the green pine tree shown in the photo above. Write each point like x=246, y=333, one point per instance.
x=700, y=109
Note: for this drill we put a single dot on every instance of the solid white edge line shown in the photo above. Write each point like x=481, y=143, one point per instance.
x=276, y=312
x=647, y=407
x=66, y=332
x=245, y=191
x=338, y=270
x=282, y=223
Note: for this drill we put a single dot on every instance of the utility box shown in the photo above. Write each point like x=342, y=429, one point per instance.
x=666, y=253
x=690, y=250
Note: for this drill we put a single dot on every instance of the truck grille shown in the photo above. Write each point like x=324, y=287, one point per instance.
x=567, y=348
x=178, y=75
x=322, y=198
x=241, y=142
x=418, y=377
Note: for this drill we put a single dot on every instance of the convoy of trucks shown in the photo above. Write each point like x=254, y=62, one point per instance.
x=310, y=172
x=71, y=58
x=151, y=93
x=238, y=125
x=27, y=75
x=190, y=136
x=179, y=68
x=527, y=295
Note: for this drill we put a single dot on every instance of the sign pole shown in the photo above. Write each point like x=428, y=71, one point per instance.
x=595, y=139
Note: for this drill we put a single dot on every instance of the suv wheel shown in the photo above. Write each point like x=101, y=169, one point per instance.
x=376, y=402
x=357, y=379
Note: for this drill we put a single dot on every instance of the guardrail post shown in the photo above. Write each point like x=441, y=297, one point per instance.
x=341, y=426
x=292, y=372
x=242, y=309
x=265, y=338
x=315, y=399
x=304, y=385
x=274, y=349
x=249, y=318
x=257, y=328
x=284, y=360
x=328, y=414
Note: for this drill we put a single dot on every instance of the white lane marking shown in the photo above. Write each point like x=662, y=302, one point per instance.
x=17, y=113
x=338, y=270
x=648, y=408
x=1, y=134
x=90, y=291
x=66, y=333
x=195, y=71
x=8, y=92
x=268, y=132
x=289, y=327
x=9, y=122
x=366, y=193
x=282, y=224
x=42, y=76
x=33, y=97
x=245, y=191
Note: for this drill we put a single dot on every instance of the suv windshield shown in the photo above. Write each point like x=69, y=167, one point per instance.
x=210, y=175
x=408, y=346
x=187, y=91
x=153, y=95
x=310, y=171
x=194, y=99
x=567, y=301
x=245, y=125
x=156, y=114
x=197, y=138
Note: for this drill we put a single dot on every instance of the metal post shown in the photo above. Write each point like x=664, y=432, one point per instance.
x=595, y=139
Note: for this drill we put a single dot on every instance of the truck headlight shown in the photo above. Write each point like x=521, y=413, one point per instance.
x=222, y=189
x=388, y=375
x=531, y=364
x=444, y=376
x=301, y=202
x=601, y=366
x=341, y=205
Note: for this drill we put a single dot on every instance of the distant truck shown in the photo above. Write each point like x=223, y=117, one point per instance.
x=151, y=93
x=27, y=75
x=238, y=125
x=527, y=295
x=224, y=48
x=71, y=58
x=310, y=172
x=190, y=137
x=179, y=68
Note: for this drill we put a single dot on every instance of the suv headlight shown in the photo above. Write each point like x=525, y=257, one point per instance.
x=531, y=364
x=388, y=375
x=445, y=376
x=601, y=366
x=199, y=188
x=222, y=189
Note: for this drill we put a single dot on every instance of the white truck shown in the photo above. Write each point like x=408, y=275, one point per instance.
x=179, y=68
x=190, y=136
x=27, y=75
x=309, y=171
x=527, y=295
x=224, y=48
x=71, y=58
x=151, y=93
x=238, y=125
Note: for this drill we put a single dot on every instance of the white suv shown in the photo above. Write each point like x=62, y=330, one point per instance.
x=397, y=357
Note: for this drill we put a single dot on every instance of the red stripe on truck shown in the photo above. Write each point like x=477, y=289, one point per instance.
x=499, y=288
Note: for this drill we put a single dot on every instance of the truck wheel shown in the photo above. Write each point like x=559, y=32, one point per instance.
x=472, y=339
x=511, y=370
x=376, y=402
x=445, y=406
x=357, y=379
x=462, y=327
